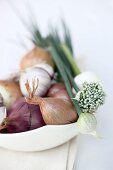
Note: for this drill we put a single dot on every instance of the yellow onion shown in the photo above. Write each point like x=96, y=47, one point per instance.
x=36, y=56
x=10, y=92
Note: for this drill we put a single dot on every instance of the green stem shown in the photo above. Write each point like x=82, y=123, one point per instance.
x=72, y=80
x=71, y=60
x=62, y=71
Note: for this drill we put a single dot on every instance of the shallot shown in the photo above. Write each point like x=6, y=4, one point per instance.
x=55, y=111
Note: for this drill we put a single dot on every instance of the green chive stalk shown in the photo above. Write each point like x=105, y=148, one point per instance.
x=71, y=60
x=71, y=80
x=64, y=75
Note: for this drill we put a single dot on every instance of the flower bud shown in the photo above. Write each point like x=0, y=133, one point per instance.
x=90, y=97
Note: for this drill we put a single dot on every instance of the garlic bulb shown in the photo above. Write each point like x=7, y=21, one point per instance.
x=87, y=124
x=35, y=73
x=86, y=76
x=46, y=67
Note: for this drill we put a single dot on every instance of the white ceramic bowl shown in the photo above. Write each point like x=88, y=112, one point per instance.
x=44, y=138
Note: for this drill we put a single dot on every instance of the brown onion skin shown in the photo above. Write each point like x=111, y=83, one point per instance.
x=36, y=56
x=58, y=90
x=12, y=88
x=55, y=111
x=24, y=117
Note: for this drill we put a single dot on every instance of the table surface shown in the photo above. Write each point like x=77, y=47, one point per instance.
x=91, y=25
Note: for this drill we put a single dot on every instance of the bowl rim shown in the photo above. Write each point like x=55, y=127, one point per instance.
x=37, y=129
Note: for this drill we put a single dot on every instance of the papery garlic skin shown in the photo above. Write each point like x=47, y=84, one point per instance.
x=87, y=123
x=86, y=76
x=35, y=73
x=46, y=67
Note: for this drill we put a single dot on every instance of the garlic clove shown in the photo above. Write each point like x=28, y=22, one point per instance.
x=35, y=73
x=86, y=76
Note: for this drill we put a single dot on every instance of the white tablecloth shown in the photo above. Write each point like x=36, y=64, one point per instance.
x=59, y=158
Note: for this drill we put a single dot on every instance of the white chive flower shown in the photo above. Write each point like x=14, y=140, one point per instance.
x=90, y=97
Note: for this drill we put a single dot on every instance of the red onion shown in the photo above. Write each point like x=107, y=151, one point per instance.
x=23, y=117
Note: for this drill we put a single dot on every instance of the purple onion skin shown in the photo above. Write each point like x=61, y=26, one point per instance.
x=24, y=117
x=36, y=120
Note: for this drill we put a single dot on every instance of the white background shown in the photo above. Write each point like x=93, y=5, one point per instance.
x=91, y=25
